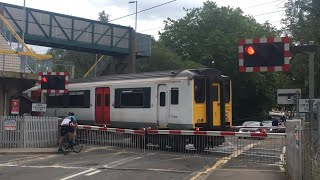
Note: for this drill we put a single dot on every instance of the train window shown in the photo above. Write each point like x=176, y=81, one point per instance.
x=227, y=92
x=162, y=99
x=107, y=100
x=132, y=98
x=56, y=100
x=215, y=93
x=199, y=90
x=98, y=100
x=79, y=99
x=174, y=96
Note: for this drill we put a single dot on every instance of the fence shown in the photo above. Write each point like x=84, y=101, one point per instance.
x=254, y=147
x=28, y=132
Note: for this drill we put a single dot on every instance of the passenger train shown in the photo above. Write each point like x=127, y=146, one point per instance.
x=182, y=99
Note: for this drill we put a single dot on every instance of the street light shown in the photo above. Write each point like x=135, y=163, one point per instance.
x=136, y=2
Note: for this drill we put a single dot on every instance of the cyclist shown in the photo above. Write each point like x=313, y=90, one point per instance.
x=68, y=125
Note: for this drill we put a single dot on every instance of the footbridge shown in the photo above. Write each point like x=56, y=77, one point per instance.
x=56, y=30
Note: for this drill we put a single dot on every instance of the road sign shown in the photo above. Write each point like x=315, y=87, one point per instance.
x=10, y=124
x=264, y=54
x=38, y=107
x=288, y=96
x=304, y=105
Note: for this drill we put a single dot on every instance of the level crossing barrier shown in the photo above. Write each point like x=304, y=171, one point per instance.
x=248, y=146
x=28, y=132
x=266, y=129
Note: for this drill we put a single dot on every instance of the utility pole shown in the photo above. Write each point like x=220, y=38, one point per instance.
x=309, y=125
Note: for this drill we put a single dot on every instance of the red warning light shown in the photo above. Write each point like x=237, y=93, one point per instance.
x=44, y=79
x=250, y=50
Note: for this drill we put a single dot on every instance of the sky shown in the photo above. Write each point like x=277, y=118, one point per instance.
x=151, y=21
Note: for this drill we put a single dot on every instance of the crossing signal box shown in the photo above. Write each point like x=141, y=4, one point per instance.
x=53, y=82
x=264, y=54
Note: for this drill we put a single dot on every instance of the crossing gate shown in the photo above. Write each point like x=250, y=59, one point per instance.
x=254, y=147
x=28, y=132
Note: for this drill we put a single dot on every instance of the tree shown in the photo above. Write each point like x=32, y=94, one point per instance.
x=302, y=25
x=164, y=59
x=210, y=36
x=103, y=17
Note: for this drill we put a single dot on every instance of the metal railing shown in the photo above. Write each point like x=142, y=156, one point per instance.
x=100, y=66
x=28, y=62
x=253, y=147
x=28, y=132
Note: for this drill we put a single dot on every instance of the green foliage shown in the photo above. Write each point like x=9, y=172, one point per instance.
x=103, y=17
x=302, y=25
x=164, y=59
x=210, y=36
x=82, y=61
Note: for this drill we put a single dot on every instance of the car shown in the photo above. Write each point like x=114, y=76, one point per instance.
x=253, y=127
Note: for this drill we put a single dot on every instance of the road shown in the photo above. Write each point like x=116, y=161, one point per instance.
x=116, y=163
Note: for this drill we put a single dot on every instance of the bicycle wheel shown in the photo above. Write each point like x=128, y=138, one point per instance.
x=77, y=147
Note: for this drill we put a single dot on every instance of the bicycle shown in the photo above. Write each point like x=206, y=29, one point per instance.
x=69, y=146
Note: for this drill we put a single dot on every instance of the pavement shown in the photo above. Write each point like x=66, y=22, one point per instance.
x=117, y=163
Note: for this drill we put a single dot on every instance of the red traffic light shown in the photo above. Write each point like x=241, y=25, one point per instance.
x=250, y=50
x=44, y=79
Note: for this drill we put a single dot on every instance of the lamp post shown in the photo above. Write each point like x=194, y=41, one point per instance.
x=136, y=2
x=24, y=19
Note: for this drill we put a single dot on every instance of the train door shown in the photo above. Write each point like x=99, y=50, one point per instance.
x=216, y=104
x=162, y=106
x=102, y=108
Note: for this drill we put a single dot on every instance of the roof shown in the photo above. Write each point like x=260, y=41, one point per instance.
x=154, y=74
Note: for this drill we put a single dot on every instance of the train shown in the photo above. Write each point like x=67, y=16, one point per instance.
x=177, y=99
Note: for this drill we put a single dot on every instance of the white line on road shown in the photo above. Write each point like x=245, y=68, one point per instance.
x=78, y=174
x=92, y=173
x=224, y=160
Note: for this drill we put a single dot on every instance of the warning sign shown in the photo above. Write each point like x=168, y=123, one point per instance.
x=38, y=107
x=10, y=124
x=304, y=105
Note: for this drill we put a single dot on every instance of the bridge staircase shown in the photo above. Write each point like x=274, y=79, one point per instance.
x=15, y=55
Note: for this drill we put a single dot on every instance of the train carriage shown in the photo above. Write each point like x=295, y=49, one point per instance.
x=184, y=99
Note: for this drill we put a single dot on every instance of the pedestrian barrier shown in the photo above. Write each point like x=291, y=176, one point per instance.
x=28, y=131
x=247, y=146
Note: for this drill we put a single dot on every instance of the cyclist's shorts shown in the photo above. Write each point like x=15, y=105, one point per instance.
x=66, y=129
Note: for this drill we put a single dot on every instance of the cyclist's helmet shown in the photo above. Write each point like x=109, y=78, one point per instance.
x=70, y=114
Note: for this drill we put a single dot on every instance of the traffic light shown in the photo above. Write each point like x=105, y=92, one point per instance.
x=265, y=54
x=53, y=82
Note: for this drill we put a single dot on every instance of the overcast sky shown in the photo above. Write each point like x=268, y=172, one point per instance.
x=151, y=21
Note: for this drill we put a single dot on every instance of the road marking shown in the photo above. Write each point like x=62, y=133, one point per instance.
x=224, y=160
x=92, y=173
x=121, y=161
x=18, y=159
x=78, y=174
x=247, y=170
